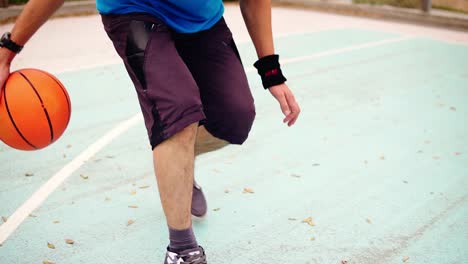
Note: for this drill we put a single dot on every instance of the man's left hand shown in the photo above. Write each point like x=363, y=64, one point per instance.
x=287, y=102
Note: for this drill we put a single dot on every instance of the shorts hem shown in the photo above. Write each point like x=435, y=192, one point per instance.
x=231, y=139
x=177, y=127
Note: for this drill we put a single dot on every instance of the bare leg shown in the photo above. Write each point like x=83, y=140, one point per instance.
x=174, y=166
x=205, y=142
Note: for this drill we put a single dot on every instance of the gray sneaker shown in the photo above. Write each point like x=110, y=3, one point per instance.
x=189, y=256
x=199, y=206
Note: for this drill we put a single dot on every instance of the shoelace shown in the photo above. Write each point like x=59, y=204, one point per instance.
x=189, y=258
x=193, y=259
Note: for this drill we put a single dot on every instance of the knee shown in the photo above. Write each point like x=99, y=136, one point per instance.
x=246, y=117
x=186, y=136
x=241, y=122
x=231, y=122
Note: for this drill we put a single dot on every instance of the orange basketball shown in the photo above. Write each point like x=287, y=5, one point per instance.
x=34, y=109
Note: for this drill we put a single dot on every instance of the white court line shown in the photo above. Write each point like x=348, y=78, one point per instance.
x=7, y=228
x=118, y=61
x=342, y=50
x=338, y=51
x=54, y=182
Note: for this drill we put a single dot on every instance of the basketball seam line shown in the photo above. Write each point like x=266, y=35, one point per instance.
x=42, y=105
x=66, y=96
x=13, y=121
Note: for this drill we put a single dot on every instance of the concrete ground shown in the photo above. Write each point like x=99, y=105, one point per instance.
x=375, y=171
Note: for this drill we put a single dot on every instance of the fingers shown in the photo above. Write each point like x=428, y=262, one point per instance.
x=287, y=102
x=4, y=73
x=284, y=105
x=294, y=108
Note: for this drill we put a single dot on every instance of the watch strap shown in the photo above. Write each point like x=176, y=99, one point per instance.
x=6, y=42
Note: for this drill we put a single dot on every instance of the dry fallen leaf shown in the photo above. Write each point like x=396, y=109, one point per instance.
x=132, y=206
x=84, y=177
x=144, y=187
x=69, y=146
x=312, y=239
x=226, y=191
x=50, y=245
x=56, y=222
x=47, y=262
x=248, y=190
x=382, y=157
x=132, y=192
x=29, y=174
x=216, y=209
x=4, y=219
x=69, y=241
x=309, y=221
x=405, y=258
x=130, y=222
x=368, y=221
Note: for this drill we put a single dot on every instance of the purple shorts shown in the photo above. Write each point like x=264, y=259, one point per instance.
x=181, y=79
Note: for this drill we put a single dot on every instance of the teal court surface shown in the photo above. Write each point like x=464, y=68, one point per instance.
x=374, y=171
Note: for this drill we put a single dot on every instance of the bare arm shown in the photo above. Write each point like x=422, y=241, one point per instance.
x=33, y=16
x=257, y=17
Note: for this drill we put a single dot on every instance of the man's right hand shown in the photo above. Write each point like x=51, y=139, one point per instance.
x=34, y=14
x=6, y=56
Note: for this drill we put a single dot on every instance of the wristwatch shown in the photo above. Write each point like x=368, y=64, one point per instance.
x=6, y=42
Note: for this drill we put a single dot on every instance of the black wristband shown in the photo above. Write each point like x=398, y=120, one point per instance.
x=269, y=69
x=6, y=42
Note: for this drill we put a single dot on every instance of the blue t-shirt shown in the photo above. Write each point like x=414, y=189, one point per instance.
x=185, y=16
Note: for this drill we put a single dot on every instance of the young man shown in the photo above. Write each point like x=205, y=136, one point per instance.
x=187, y=72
